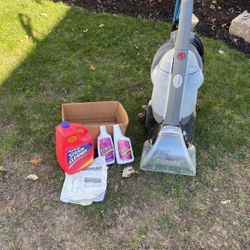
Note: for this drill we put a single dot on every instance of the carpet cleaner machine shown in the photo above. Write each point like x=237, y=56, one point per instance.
x=176, y=74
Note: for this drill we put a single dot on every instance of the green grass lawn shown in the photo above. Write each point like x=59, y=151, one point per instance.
x=47, y=50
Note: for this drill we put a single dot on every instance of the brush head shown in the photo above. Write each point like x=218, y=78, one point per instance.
x=169, y=153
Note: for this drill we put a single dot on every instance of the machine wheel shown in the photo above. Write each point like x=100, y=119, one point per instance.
x=153, y=127
x=199, y=46
x=189, y=129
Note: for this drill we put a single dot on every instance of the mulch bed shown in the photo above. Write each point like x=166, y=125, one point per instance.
x=215, y=15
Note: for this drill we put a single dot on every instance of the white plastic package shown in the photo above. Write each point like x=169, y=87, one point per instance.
x=86, y=186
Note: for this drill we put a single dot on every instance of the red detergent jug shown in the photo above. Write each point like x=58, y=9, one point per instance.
x=74, y=147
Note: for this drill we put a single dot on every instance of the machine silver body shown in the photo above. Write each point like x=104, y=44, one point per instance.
x=176, y=75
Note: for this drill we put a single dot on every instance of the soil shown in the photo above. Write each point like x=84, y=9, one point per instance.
x=215, y=15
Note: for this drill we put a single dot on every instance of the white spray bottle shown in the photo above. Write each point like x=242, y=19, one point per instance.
x=105, y=146
x=123, y=147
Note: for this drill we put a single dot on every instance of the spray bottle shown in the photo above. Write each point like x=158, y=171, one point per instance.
x=105, y=146
x=123, y=146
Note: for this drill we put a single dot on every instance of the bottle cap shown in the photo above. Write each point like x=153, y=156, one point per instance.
x=65, y=124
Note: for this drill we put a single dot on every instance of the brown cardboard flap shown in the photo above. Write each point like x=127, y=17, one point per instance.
x=121, y=114
x=95, y=114
x=90, y=110
x=93, y=120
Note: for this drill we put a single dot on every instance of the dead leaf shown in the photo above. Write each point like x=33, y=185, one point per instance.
x=116, y=187
x=32, y=177
x=221, y=51
x=212, y=7
x=2, y=169
x=101, y=25
x=36, y=160
x=85, y=31
x=128, y=171
x=226, y=202
x=93, y=67
x=141, y=115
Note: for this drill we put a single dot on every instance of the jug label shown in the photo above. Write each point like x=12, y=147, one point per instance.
x=76, y=153
x=106, y=149
x=124, y=150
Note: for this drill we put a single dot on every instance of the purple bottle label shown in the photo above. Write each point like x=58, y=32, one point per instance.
x=124, y=150
x=106, y=149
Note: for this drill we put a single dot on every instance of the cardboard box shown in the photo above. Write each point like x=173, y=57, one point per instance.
x=94, y=114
